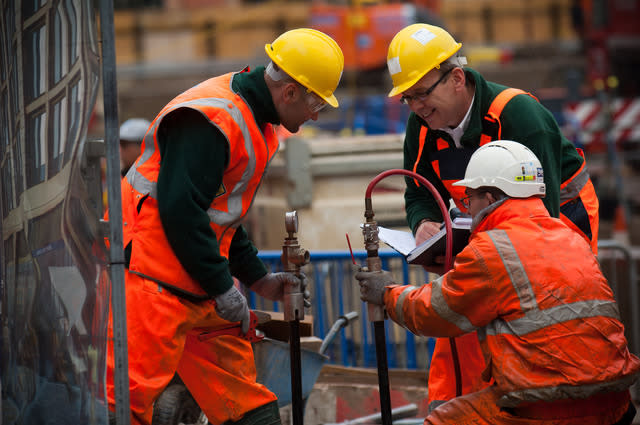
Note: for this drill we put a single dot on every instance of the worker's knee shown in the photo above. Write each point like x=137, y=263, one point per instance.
x=267, y=414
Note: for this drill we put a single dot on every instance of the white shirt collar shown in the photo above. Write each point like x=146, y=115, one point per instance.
x=456, y=133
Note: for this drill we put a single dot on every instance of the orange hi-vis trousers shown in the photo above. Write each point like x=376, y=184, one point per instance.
x=442, y=378
x=162, y=339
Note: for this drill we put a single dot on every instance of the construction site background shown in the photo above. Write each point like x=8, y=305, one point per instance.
x=165, y=47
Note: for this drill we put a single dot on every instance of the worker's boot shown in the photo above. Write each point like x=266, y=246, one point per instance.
x=267, y=414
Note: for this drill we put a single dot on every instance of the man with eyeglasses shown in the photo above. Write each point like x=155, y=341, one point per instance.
x=533, y=289
x=454, y=112
x=183, y=200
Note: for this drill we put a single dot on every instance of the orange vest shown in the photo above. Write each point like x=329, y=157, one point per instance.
x=544, y=313
x=250, y=151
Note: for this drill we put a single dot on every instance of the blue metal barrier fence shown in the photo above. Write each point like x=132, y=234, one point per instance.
x=334, y=292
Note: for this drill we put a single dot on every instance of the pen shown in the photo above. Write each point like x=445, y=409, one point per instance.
x=350, y=250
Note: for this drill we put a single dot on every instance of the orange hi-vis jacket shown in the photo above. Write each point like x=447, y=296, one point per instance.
x=545, y=315
x=251, y=148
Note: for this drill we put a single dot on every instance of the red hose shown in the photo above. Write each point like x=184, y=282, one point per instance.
x=448, y=257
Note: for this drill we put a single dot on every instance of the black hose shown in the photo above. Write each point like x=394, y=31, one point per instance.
x=383, y=372
x=296, y=373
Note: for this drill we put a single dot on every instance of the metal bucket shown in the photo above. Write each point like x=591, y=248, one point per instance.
x=274, y=368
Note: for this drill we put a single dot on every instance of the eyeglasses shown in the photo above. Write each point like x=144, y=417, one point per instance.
x=406, y=99
x=465, y=201
x=314, y=102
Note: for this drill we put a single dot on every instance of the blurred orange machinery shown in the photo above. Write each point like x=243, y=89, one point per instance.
x=364, y=28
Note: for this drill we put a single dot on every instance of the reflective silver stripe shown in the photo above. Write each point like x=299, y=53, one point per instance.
x=537, y=319
x=139, y=182
x=573, y=188
x=514, y=268
x=234, y=201
x=149, y=144
x=514, y=398
x=144, y=186
x=442, y=308
x=398, y=308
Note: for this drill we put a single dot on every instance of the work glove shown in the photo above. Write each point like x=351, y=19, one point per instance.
x=232, y=306
x=373, y=285
x=271, y=286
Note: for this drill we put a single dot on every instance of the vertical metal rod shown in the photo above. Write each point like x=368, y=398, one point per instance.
x=116, y=251
x=383, y=372
x=296, y=373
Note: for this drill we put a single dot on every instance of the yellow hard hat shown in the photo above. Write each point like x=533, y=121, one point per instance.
x=416, y=50
x=310, y=57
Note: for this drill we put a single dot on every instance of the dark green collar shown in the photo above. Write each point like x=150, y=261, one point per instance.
x=253, y=89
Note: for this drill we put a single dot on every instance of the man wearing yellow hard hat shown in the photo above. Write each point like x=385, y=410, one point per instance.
x=454, y=112
x=182, y=202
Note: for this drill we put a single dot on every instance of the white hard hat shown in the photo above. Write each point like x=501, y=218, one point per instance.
x=508, y=166
x=134, y=129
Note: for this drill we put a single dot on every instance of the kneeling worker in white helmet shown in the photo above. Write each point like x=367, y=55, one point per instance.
x=531, y=287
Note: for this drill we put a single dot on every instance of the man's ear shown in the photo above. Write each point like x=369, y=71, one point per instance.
x=290, y=93
x=459, y=78
x=492, y=199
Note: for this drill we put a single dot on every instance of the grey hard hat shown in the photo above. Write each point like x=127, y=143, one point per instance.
x=134, y=129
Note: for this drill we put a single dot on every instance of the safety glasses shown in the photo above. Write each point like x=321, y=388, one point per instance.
x=314, y=102
x=465, y=201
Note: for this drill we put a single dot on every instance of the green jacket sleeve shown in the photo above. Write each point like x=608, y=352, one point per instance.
x=243, y=258
x=194, y=156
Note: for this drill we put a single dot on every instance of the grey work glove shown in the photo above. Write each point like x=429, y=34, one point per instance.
x=372, y=285
x=232, y=306
x=271, y=286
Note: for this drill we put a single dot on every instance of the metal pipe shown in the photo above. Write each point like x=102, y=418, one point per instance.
x=337, y=325
x=293, y=258
x=116, y=251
